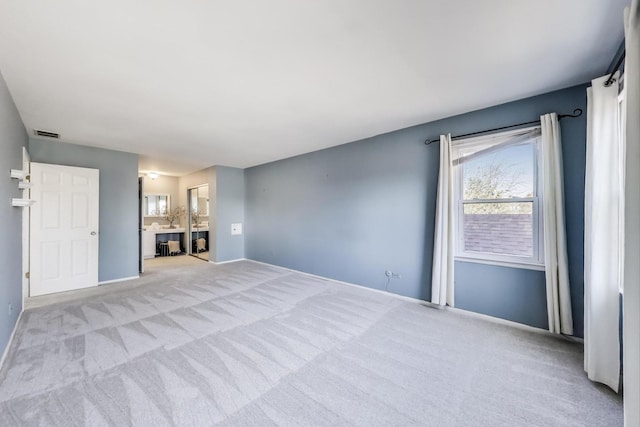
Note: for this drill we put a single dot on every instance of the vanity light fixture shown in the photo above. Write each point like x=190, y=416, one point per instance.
x=152, y=175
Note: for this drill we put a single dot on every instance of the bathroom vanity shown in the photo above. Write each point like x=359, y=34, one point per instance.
x=154, y=239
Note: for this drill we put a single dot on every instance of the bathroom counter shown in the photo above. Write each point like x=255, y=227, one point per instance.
x=166, y=230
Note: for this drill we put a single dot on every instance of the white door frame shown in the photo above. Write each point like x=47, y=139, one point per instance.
x=26, y=235
x=141, y=223
x=189, y=224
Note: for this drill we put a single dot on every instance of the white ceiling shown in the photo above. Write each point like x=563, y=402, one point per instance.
x=193, y=83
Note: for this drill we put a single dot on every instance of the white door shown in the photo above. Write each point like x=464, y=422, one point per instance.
x=64, y=228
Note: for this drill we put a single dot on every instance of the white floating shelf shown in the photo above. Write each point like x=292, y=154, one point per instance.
x=19, y=174
x=22, y=203
x=24, y=185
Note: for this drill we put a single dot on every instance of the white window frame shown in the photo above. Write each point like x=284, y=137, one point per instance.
x=536, y=261
x=622, y=123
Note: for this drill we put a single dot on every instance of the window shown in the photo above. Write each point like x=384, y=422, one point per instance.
x=498, y=199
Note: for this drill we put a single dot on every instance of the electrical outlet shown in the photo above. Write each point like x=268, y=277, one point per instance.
x=388, y=273
x=396, y=275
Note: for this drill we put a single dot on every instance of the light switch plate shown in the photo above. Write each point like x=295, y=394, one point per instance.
x=236, y=229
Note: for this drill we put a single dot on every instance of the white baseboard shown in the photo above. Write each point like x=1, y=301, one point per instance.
x=5, y=353
x=230, y=261
x=340, y=282
x=512, y=324
x=430, y=304
x=124, y=279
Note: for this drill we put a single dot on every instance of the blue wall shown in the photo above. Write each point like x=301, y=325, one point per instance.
x=508, y=293
x=119, y=248
x=13, y=137
x=229, y=205
x=353, y=211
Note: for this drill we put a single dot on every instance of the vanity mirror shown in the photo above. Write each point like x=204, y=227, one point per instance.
x=199, y=221
x=156, y=204
x=200, y=200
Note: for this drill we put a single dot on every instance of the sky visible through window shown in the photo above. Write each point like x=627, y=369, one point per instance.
x=502, y=174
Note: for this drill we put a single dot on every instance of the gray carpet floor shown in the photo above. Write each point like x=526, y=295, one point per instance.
x=193, y=344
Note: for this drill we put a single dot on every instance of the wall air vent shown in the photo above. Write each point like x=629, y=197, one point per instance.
x=46, y=134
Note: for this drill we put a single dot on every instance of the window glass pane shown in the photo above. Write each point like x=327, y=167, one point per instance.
x=499, y=228
x=500, y=174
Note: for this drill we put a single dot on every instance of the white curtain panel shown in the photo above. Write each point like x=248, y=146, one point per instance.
x=444, y=241
x=603, y=215
x=632, y=219
x=555, y=242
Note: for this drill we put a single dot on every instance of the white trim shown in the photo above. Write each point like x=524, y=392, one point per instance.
x=11, y=337
x=429, y=304
x=141, y=231
x=510, y=264
x=340, y=282
x=512, y=324
x=124, y=279
x=26, y=233
x=189, y=224
x=232, y=260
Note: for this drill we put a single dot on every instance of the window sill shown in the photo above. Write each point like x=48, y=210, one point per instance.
x=511, y=264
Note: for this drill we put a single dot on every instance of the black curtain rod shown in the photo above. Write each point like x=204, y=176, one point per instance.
x=576, y=113
x=616, y=68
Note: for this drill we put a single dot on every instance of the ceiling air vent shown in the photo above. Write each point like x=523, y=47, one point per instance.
x=46, y=134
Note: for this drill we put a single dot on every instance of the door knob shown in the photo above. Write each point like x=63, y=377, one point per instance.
x=93, y=233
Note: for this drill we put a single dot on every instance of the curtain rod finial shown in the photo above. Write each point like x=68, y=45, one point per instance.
x=576, y=113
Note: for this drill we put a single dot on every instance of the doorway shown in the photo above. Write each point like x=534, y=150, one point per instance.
x=141, y=225
x=198, y=222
